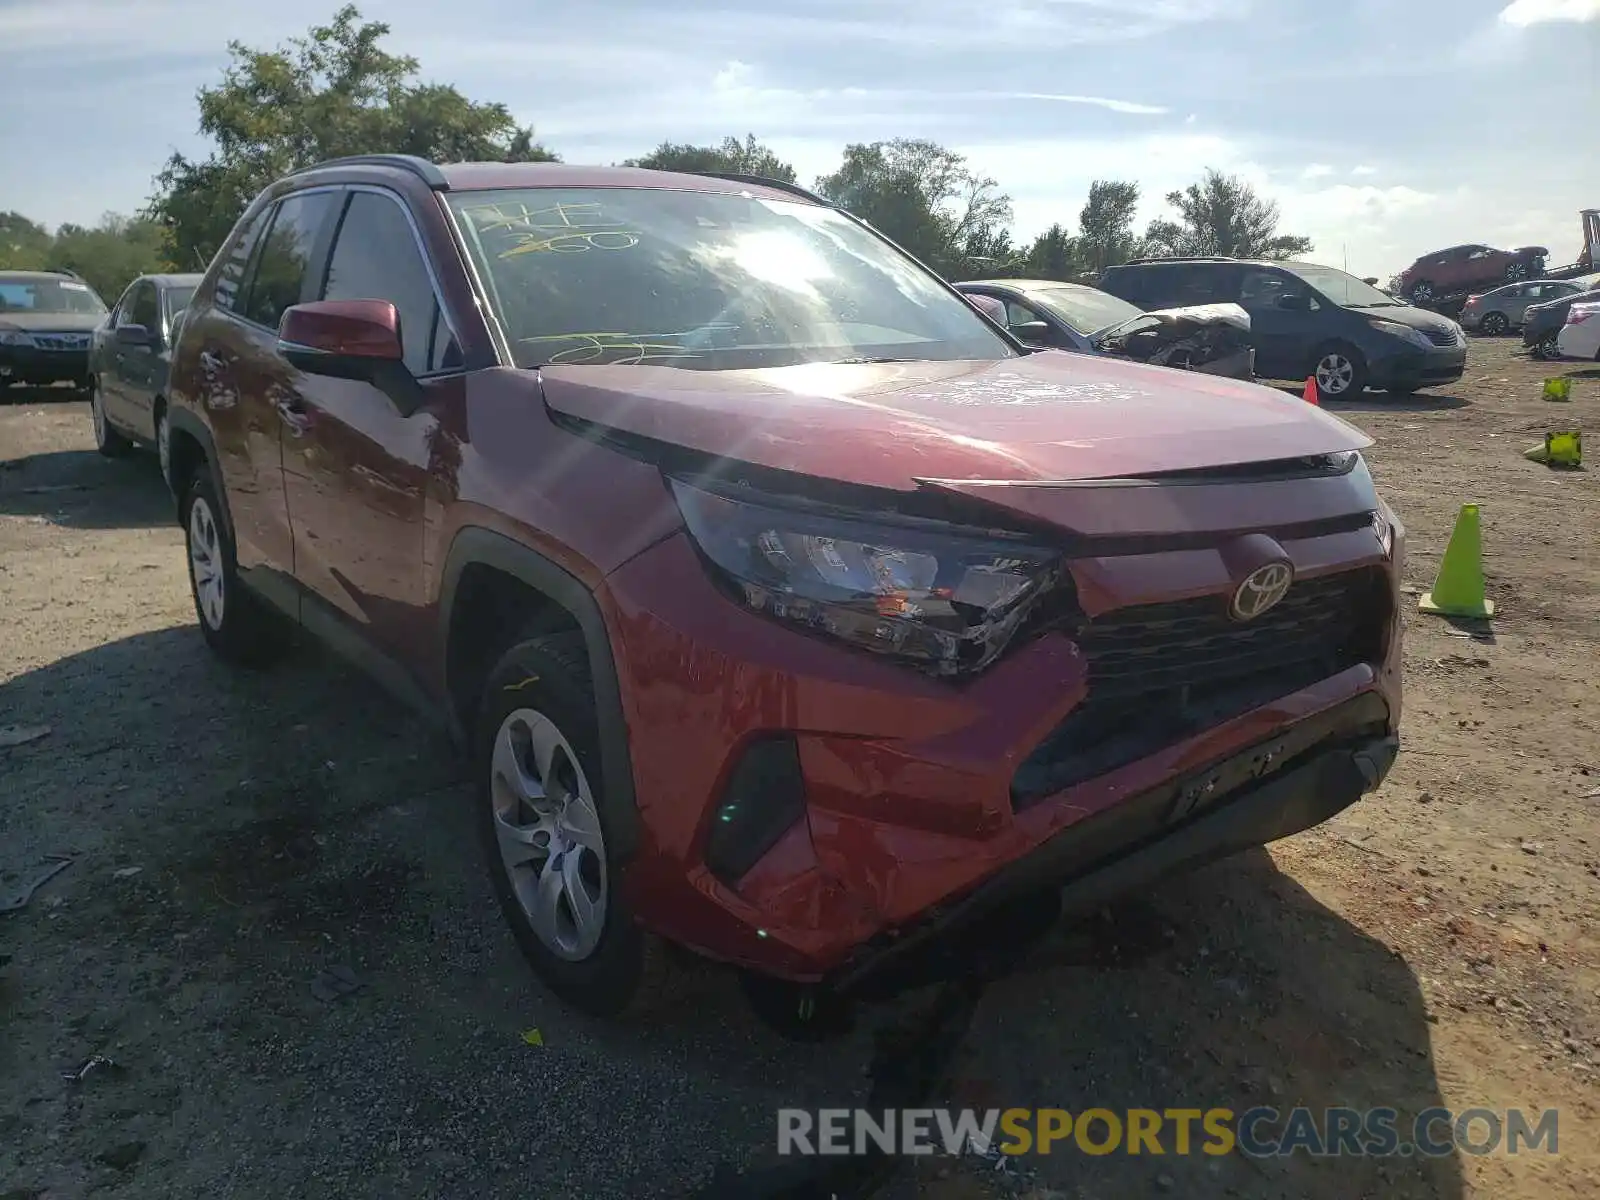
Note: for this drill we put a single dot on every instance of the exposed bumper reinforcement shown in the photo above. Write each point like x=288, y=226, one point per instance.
x=1241, y=807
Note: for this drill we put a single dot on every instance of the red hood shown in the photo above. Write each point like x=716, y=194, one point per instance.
x=1046, y=416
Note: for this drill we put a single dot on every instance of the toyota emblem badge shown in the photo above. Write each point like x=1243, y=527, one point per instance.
x=1260, y=590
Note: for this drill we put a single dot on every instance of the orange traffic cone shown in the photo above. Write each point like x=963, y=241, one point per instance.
x=1310, y=396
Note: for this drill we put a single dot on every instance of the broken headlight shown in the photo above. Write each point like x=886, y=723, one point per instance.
x=941, y=597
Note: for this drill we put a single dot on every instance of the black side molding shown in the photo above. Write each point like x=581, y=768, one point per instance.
x=475, y=545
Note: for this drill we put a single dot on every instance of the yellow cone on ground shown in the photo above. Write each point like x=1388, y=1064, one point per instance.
x=1558, y=389
x=1563, y=449
x=1458, y=590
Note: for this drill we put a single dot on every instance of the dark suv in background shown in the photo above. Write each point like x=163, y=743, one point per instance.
x=792, y=611
x=1308, y=320
x=46, y=321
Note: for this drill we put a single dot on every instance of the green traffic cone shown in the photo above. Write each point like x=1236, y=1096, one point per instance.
x=1558, y=389
x=1458, y=590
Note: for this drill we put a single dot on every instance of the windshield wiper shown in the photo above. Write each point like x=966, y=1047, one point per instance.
x=857, y=362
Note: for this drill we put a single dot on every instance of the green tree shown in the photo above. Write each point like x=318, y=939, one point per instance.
x=112, y=254
x=924, y=197
x=332, y=93
x=1221, y=215
x=24, y=244
x=1105, y=226
x=1054, y=255
x=748, y=157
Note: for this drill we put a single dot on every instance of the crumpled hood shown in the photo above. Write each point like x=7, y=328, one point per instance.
x=1045, y=416
x=1189, y=316
x=30, y=322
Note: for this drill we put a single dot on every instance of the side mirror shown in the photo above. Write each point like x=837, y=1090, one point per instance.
x=135, y=335
x=350, y=339
x=1294, y=302
x=1035, y=332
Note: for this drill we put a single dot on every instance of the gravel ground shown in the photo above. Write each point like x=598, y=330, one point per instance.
x=234, y=835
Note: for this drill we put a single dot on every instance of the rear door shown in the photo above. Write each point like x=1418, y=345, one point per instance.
x=355, y=466
x=240, y=378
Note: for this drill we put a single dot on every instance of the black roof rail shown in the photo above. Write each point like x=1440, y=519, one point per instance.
x=420, y=167
x=1177, y=258
x=777, y=185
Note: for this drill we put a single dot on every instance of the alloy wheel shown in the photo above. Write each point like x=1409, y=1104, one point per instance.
x=1495, y=324
x=205, y=560
x=1335, y=373
x=547, y=827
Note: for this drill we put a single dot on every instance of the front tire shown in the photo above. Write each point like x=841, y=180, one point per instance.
x=1422, y=293
x=238, y=627
x=107, y=440
x=1340, y=372
x=542, y=821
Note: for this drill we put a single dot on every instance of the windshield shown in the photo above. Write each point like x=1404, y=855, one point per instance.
x=1344, y=290
x=1086, y=309
x=48, y=296
x=706, y=281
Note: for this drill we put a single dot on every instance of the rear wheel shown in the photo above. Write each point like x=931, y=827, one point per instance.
x=1340, y=373
x=542, y=820
x=106, y=439
x=1546, y=348
x=1422, y=292
x=1495, y=323
x=238, y=627
x=1518, y=269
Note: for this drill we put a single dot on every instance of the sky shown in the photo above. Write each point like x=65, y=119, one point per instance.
x=1383, y=129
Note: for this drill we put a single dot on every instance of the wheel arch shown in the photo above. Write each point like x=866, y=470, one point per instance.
x=485, y=571
x=192, y=447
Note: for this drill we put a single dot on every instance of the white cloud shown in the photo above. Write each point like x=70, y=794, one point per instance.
x=1537, y=12
x=1316, y=171
x=1363, y=170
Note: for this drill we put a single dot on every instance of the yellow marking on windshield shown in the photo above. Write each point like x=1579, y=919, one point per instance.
x=555, y=229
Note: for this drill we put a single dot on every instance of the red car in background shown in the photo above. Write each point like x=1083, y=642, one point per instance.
x=1463, y=268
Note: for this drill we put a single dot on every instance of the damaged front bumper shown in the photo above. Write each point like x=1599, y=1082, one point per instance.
x=1271, y=790
x=1212, y=338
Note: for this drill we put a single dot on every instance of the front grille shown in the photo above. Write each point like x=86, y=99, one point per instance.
x=61, y=341
x=1443, y=337
x=1159, y=673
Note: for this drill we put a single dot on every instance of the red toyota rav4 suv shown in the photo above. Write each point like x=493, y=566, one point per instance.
x=793, y=614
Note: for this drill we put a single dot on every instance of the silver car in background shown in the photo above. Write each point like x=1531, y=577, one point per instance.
x=1504, y=308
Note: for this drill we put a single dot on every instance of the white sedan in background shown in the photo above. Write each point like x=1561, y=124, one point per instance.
x=1580, y=336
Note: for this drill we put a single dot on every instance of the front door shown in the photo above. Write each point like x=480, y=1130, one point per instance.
x=1285, y=322
x=355, y=467
x=138, y=367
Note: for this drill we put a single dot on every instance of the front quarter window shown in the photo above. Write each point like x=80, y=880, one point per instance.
x=705, y=281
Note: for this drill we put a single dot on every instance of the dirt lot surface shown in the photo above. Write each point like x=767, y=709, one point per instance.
x=234, y=835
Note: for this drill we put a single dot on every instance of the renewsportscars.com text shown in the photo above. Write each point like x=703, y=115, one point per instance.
x=1256, y=1132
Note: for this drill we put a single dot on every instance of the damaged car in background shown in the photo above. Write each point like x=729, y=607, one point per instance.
x=1212, y=338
